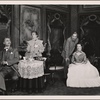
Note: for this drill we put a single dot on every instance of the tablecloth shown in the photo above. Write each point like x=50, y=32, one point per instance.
x=31, y=69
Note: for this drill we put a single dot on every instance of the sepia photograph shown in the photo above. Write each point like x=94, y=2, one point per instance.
x=49, y=49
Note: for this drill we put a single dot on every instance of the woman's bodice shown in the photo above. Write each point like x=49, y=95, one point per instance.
x=35, y=47
x=79, y=58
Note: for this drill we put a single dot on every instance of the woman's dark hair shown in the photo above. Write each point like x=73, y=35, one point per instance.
x=34, y=32
x=76, y=46
x=79, y=44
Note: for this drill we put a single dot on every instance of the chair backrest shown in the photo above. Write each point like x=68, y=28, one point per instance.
x=22, y=48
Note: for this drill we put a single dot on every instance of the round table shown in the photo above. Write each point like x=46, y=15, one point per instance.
x=31, y=75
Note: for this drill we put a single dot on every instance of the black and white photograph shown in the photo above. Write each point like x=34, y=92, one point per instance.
x=49, y=49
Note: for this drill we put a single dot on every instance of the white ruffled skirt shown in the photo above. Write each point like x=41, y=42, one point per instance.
x=83, y=75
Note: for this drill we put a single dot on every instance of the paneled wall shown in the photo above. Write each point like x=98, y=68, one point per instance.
x=5, y=23
x=74, y=18
x=16, y=26
x=89, y=29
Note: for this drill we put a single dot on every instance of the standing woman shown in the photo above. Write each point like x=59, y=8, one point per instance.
x=35, y=47
x=81, y=73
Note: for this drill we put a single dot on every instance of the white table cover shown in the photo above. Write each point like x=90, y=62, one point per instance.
x=31, y=69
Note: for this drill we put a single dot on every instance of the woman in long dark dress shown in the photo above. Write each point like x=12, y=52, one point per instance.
x=81, y=73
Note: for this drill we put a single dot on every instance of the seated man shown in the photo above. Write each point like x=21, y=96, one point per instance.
x=9, y=58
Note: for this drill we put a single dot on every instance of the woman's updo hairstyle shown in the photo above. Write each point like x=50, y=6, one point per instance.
x=34, y=32
x=77, y=44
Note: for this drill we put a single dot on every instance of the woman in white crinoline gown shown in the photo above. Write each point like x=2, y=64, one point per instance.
x=81, y=73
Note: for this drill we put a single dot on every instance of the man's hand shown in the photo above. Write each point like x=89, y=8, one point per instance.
x=67, y=59
x=45, y=44
x=74, y=62
x=84, y=62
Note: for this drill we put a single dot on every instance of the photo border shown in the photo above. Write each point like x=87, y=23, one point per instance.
x=51, y=97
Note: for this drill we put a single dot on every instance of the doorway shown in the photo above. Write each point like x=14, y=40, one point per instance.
x=90, y=38
x=56, y=23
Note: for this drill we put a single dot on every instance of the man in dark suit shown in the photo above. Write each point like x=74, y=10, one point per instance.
x=68, y=49
x=9, y=58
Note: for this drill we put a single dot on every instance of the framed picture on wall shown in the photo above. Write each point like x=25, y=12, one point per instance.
x=30, y=20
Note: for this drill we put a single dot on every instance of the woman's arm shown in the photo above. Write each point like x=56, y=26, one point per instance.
x=28, y=47
x=41, y=46
x=85, y=59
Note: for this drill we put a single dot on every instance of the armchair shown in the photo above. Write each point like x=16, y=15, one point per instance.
x=22, y=49
x=54, y=63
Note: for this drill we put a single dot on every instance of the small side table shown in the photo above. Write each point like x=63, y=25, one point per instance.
x=32, y=75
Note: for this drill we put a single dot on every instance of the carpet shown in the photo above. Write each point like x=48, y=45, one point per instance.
x=59, y=88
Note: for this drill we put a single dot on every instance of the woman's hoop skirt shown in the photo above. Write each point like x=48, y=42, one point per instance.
x=83, y=75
